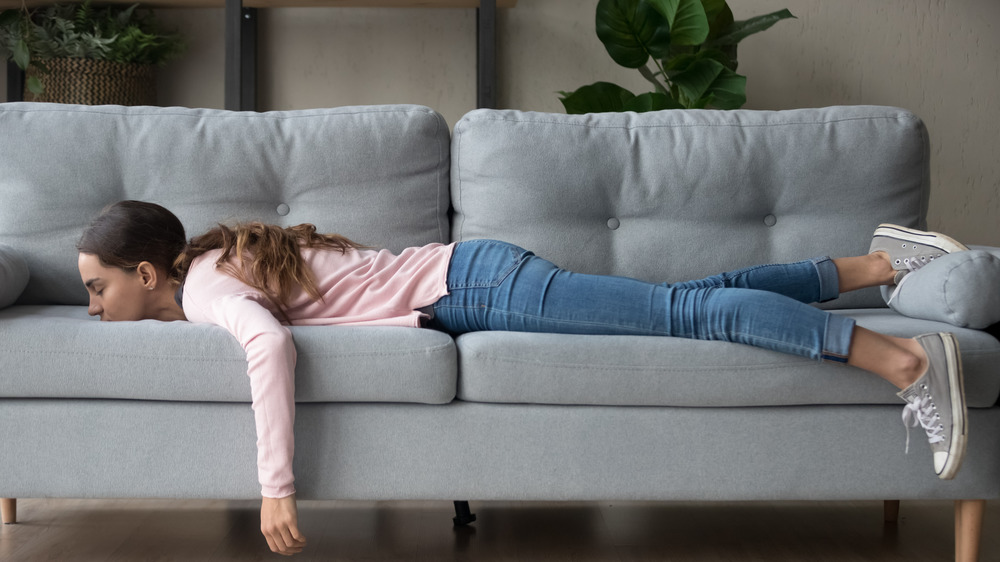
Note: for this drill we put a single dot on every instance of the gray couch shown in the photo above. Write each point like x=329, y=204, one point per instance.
x=151, y=409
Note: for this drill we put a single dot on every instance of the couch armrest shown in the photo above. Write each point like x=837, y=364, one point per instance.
x=13, y=275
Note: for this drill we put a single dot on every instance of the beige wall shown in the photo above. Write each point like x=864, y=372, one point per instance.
x=940, y=59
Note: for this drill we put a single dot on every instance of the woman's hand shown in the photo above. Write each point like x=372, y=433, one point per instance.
x=279, y=522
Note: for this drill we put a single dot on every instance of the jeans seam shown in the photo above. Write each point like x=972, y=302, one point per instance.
x=811, y=352
x=637, y=331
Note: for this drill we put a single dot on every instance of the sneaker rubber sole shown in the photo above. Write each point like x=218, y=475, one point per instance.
x=937, y=240
x=959, y=429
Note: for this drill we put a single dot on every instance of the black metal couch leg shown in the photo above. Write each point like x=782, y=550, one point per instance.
x=463, y=516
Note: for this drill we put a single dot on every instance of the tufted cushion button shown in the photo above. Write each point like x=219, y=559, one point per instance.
x=613, y=223
x=282, y=209
x=770, y=220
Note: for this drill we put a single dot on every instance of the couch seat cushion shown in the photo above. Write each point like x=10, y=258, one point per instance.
x=511, y=367
x=60, y=352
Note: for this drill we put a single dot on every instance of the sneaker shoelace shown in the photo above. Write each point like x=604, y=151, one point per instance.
x=916, y=262
x=910, y=265
x=921, y=411
x=906, y=266
x=899, y=285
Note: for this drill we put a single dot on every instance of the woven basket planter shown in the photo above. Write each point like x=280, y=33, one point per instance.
x=95, y=82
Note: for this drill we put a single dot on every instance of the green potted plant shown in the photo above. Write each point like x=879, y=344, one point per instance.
x=81, y=54
x=691, y=44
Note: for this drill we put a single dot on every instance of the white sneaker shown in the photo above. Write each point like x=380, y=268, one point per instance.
x=910, y=249
x=936, y=402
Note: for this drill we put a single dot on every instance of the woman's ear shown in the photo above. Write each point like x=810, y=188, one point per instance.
x=147, y=275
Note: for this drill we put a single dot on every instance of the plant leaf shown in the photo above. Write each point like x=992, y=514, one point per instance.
x=34, y=85
x=729, y=91
x=720, y=23
x=598, y=97
x=742, y=29
x=720, y=20
x=686, y=18
x=706, y=81
x=682, y=62
x=126, y=15
x=21, y=55
x=713, y=8
x=108, y=33
x=651, y=101
x=632, y=31
x=9, y=17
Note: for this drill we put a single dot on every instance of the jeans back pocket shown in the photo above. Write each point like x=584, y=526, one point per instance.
x=483, y=263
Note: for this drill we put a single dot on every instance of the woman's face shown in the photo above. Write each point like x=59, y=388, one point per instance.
x=115, y=294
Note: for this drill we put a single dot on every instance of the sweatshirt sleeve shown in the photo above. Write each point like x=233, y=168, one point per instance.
x=271, y=367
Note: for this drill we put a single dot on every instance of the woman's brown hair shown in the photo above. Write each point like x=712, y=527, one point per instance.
x=275, y=266
x=130, y=232
x=264, y=256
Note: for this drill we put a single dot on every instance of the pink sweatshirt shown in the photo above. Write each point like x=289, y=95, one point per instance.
x=361, y=287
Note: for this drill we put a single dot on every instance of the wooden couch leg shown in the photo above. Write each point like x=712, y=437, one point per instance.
x=8, y=507
x=890, y=512
x=968, y=527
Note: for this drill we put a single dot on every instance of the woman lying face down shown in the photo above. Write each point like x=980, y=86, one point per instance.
x=255, y=280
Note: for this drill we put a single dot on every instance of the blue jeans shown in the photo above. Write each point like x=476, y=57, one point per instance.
x=498, y=286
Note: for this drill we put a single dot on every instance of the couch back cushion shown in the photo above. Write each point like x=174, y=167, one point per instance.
x=378, y=175
x=676, y=195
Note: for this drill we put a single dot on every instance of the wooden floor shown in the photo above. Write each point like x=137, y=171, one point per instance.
x=133, y=530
